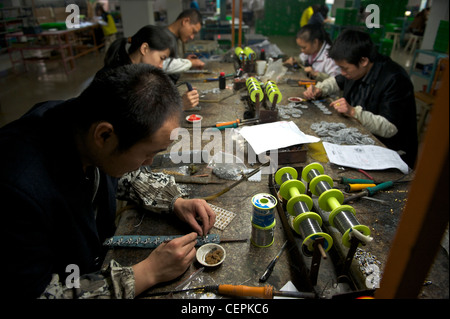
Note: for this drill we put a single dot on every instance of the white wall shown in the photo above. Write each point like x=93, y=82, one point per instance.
x=438, y=12
x=135, y=15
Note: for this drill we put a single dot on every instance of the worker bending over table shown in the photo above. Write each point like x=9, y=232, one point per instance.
x=315, y=43
x=59, y=180
x=376, y=91
x=184, y=28
x=150, y=45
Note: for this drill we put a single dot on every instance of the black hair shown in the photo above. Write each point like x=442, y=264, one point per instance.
x=323, y=9
x=352, y=45
x=99, y=9
x=311, y=32
x=136, y=99
x=193, y=14
x=156, y=37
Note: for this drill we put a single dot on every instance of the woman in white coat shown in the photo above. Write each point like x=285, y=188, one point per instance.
x=314, y=43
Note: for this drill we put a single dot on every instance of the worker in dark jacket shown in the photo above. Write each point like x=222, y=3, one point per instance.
x=376, y=91
x=58, y=185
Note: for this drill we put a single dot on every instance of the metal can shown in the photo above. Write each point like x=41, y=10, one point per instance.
x=263, y=236
x=263, y=209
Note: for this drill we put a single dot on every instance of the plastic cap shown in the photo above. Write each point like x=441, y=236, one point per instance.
x=222, y=73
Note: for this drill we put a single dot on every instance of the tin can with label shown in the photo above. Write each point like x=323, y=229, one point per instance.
x=263, y=209
x=263, y=236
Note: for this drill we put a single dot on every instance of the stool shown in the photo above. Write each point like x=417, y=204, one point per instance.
x=394, y=36
x=413, y=41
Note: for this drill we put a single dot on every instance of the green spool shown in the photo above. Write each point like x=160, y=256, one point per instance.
x=339, y=209
x=309, y=240
x=271, y=90
x=300, y=198
x=309, y=167
x=254, y=88
x=316, y=180
x=331, y=199
x=292, y=188
x=238, y=51
x=285, y=170
x=251, y=55
x=346, y=237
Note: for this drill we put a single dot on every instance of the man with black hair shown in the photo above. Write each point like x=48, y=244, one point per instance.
x=59, y=181
x=184, y=28
x=376, y=91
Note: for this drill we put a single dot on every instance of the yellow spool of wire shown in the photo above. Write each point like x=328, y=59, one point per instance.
x=238, y=51
x=271, y=90
x=254, y=88
x=251, y=55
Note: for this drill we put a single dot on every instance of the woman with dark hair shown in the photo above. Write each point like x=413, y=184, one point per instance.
x=314, y=43
x=150, y=45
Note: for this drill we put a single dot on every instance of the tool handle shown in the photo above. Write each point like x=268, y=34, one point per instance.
x=189, y=86
x=268, y=271
x=357, y=187
x=373, y=190
x=227, y=123
x=227, y=126
x=265, y=292
x=345, y=180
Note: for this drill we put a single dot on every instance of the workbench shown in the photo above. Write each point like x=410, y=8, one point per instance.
x=70, y=45
x=245, y=263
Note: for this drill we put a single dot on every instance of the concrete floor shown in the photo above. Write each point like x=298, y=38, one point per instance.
x=19, y=91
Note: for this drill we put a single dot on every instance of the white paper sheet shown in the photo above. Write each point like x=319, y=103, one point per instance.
x=289, y=286
x=276, y=135
x=368, y=157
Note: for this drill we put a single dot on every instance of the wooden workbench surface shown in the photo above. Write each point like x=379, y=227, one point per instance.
x=245, y=263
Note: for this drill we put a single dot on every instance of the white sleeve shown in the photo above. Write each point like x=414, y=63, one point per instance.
x=376, y=124
x=176, y=65
x=331, y=68
x=303, y=57
x=328, y=86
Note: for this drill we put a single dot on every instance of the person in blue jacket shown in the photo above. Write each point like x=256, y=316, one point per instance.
x=59, y=180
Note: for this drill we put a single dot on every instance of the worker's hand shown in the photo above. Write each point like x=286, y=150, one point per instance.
x=196, y=62
x=312, y=92
x=289, y=61
x=309, y=70
x=190, y=99
x=341, y=105
x=168, y=261
x=194, y=210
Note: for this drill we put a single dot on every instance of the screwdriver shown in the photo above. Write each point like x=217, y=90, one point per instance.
x=369, y=191
x=357, y=187
x=269, y=268
x=346, y=180
x=266, y=292
x=235, y=123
